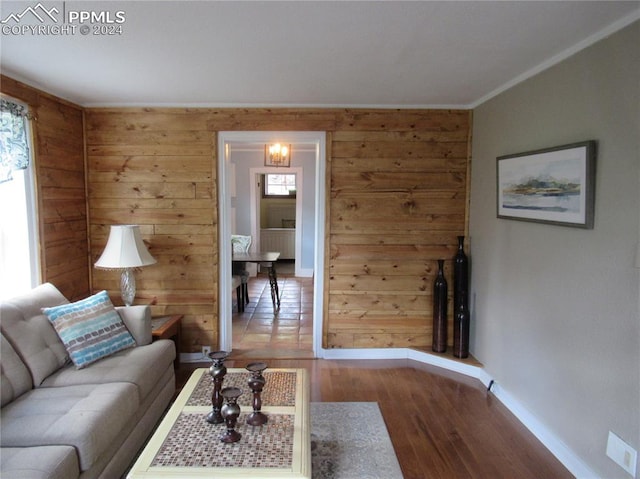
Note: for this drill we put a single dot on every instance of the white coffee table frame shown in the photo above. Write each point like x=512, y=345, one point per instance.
x=301, y=458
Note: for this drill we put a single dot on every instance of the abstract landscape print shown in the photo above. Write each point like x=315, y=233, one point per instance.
x=554, y=185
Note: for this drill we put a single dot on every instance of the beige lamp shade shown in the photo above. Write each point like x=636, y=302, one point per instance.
x=125, y=249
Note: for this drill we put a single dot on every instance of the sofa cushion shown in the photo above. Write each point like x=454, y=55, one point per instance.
x=90, y=329
x=30, y=332
x=14, y=375
x=45, y=462
x=88, y=418
x=137, y=319
x=143, y=366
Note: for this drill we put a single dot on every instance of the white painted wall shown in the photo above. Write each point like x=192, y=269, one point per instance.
x=243, y=162
x=555, y=310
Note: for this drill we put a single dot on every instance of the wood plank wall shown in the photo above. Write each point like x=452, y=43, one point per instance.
x=397, y=199
x=58, y=150
x=156, y=169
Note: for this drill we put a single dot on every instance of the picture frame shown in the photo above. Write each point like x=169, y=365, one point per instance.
x=552, y=185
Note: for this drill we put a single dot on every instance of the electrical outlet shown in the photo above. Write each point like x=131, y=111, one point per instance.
x=205, y=351
x=622, y=453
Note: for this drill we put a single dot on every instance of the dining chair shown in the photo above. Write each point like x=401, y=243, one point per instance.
x=241, y=244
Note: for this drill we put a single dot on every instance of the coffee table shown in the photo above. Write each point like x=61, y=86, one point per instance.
x=186, y=446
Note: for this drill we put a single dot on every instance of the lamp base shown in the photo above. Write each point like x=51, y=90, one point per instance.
x=128, y=286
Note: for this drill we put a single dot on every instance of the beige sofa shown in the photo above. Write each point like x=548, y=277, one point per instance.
x=58, y=421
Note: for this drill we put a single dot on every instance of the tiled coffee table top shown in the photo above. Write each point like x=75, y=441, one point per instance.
x=279, y=389
x=193, y=442
x=185, y=445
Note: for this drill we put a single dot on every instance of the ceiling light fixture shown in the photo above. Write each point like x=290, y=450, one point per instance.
x=277, y=155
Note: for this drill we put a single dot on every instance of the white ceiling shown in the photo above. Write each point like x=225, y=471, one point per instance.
x=306, y=53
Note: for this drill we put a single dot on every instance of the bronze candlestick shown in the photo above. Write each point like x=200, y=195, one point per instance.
x=256, y=384
x=230, y=412
x=217, y=371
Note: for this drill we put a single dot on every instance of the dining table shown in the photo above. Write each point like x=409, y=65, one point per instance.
x=267, y=259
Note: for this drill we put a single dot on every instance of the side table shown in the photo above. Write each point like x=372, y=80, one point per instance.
x=168, y=327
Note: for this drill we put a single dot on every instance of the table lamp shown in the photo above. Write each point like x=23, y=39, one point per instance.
x=125, y=250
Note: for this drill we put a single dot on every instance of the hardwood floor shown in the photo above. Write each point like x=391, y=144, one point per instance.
x=442, y=424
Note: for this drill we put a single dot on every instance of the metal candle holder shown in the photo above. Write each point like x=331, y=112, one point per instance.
x=256, y=384
x=230, y=412
x=217, y=371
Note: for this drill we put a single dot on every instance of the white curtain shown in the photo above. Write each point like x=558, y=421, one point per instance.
x=14, y=149
x=19, y=263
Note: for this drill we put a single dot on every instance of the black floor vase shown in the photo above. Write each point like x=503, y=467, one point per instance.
x=461, y=330
x=460, y=302
x=440, y=291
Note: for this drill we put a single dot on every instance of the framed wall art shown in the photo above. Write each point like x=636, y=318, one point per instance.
x=554, y=185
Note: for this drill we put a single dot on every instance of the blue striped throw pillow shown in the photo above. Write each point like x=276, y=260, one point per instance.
x=90, y=329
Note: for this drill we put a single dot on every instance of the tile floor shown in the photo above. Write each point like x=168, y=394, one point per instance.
x=259, y=332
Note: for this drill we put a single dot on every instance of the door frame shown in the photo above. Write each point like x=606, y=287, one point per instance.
x=225, y=138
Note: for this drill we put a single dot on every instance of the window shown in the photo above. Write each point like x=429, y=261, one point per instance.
x=278, y=185
x=19, y=259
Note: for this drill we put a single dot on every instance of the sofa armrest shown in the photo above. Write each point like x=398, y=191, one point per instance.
x=137, y=319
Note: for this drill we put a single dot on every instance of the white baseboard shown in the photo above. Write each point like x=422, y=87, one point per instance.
x=305, y=273
x=558, y=448
x=193, y=358
x=380, y=353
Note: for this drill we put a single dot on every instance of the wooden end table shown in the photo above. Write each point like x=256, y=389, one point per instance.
x=168, y=327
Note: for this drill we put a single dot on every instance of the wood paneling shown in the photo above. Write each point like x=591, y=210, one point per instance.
x=157, y=169
x=396, y=200
x=60, y=185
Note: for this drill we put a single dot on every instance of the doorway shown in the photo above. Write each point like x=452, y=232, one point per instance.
x=226, y=172
x=276, y=217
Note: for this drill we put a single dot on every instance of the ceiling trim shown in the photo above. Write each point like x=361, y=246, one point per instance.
x=351, y=106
